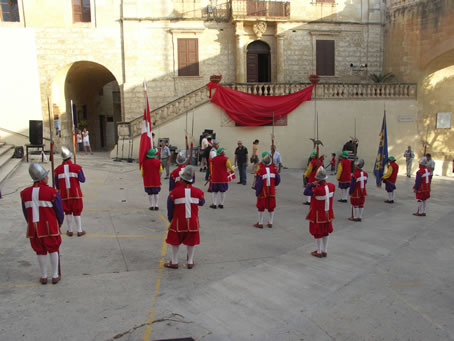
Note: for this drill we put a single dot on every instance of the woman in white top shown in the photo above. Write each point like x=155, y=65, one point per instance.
x=86, y=140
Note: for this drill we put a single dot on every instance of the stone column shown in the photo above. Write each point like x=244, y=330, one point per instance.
x=240, y=67
x=280, y=73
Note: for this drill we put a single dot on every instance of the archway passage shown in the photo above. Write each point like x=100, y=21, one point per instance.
x=96, y=99
x=258, y=62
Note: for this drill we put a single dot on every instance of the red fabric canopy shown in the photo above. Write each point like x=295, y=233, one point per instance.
x=254, y=110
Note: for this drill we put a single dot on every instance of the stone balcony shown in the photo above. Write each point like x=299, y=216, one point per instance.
x=323, y=91
x=400, y=3
x=247, y=9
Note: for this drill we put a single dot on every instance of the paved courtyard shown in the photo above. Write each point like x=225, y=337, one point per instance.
x=390, y=277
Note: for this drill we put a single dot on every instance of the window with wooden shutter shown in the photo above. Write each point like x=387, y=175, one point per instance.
x=325, y=57
x=81, y=11
x=325, y=1
x=9, y=10
x=188, y=57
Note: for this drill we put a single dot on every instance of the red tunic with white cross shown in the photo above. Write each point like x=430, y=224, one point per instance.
x=175, y=175
x=67, y=175
x=41, y=218
x=321, y=213
x=183, y=205
x=422, y=183
x=358, y=196
x=267, y=196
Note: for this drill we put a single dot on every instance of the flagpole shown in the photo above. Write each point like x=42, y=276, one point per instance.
x=192, y=139
x=148, y=111
x=73, y=131
x=272, y=140
x=51, y=144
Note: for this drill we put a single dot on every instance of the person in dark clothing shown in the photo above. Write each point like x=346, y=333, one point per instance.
x=241, y=160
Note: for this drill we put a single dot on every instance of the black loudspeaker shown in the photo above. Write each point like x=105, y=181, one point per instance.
x=35, y=131
x=18, y=152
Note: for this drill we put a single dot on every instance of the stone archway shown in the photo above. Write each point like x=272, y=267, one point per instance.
x=96, y=99
x=258, y=62
x=435, y=96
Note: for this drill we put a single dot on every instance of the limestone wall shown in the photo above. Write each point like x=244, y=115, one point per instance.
x=336, y=120
x=419, y=45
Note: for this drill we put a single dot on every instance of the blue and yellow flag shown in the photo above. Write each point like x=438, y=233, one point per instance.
x=382, y=155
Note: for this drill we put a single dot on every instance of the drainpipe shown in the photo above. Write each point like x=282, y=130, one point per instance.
x=123, y=65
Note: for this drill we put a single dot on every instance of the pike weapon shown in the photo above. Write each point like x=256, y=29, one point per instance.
x=73, y=131
x=51, y=143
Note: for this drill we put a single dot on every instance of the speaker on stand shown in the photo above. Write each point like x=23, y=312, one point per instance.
x=35, y=130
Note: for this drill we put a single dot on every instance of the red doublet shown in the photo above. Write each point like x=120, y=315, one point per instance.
x=69, y=187
x=393, y=177
x=151, y=173
x=219, y=173
x=184, y=226
x=345, y=176
x=321, y=213
x=423, y=192
x=43, y=229
x=175, y=175
x=267, y=197
x=358, y=197
x=315, y=163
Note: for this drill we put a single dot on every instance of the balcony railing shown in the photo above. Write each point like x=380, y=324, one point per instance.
x=400, y=3
x=257, y=8
x=222, y=11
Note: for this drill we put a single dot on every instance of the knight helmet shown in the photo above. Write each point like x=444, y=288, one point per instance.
x=187, y=174
x=65, y=153
x=321, y=174
x=37, y=172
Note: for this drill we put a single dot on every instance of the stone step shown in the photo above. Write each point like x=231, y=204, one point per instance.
x=5, y=157
x=4, y=148
x=8, y=168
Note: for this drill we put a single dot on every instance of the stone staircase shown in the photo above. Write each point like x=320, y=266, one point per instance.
x=7, y=164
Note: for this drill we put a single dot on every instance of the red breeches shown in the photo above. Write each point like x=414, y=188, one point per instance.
x=73, y=206
x=46, y=244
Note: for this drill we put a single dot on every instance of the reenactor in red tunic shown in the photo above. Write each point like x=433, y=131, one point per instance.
x=321, y=213
x=422, y=187
x=68, y=177
x=344, y=176
x=175, y=179
x=309, y=175
x=219, y=176
x=183, y=213
x=358, y=191
x=151, y=173
x=43, y=211
x=267, y=178
x=390, y=179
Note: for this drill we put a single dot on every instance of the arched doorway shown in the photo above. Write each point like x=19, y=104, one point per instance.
x=95, y=95
x=258, y=62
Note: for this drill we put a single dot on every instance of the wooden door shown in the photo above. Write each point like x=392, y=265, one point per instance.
x=252, y=67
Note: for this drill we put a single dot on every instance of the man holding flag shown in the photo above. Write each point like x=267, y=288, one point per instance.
x=146, y=139
x=382, y=155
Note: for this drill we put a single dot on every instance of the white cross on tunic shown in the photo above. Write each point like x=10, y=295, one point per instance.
x=325, y=197
x=268, y=176
x=66, y=175
x=187, y=201
x=178, y=178
x=362, y=179
x=35, y=204
x=426, y=175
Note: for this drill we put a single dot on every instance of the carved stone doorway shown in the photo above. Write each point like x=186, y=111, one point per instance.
x=258, y=62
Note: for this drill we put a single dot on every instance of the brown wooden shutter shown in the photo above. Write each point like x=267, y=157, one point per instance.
x=188, y=57
x=325, y=57
x=86, y=14
x=252, y=67
x=77, y=10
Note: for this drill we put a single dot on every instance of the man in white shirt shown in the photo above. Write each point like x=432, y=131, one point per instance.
x=409, y=156
x=276, y=158
x=203, y=146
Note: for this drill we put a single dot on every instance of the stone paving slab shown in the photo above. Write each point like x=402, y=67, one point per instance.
x=387, y=278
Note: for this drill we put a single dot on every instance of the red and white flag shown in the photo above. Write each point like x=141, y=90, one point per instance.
x=232, y=175
x=146, y=140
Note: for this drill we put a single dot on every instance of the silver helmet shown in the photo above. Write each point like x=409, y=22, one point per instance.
x=37, y=172
x=181, y=158
x=359, y=164
x=267, y=160
x=187, y=174
x=65, y=153
x=423, y=161
x=321, y=174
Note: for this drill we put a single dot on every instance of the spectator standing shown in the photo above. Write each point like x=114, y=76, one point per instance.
x=165, y=155
x=409, y=156
x=430, y=165
x=333, y=163
x=241, y=160
x=203, y=146
x=277, y=160
x=79, y=140
x=86, y=141
x=255, y=156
